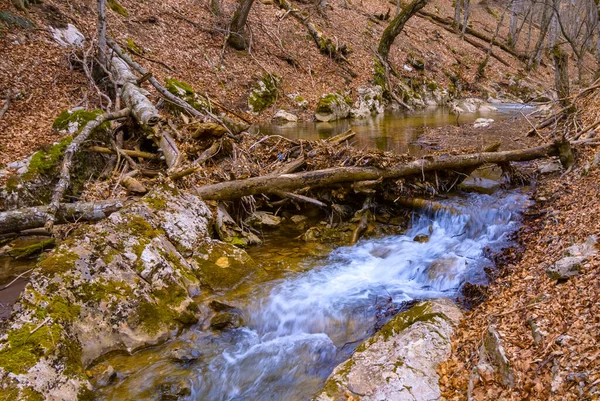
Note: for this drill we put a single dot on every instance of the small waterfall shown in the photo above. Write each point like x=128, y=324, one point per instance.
x=300, y=327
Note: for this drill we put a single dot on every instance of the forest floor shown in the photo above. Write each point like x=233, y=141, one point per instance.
x=565, y=363
x=44, y=78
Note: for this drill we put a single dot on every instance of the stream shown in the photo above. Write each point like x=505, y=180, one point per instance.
x=303, y=320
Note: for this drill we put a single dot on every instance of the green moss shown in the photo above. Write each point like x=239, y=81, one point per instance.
x=155, y=201
x=44, y=162
x=31, y=250
x=85, y=394
x=62, y=310
x=102, y=291
x=379, y=75
x=133, y=47
x=59, y=262
x=139, y=227
x=118, y=8
x=78, y=117
x=265, y=93
x=25, y=346
x=187, y=93
x=418, y=313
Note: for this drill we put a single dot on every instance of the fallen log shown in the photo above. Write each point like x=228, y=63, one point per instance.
x=169, y=148
x=319, y=178
x=35, y=217
x=199, y=162
x=65, y=171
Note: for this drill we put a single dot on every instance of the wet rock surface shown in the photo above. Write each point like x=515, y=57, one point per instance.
x=399, y=362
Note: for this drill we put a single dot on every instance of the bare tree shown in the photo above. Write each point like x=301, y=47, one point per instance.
x=395, y=27
x=536, y=55
x=215, y=7
x=237, y=27
x=102, y=32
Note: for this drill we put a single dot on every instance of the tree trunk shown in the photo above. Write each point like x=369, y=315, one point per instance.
x=466, y=14
x=395, y=27
x=320, y=178
x=514, y=23
x=456, y=22
x=215, y=7
x=35, y=217
x=561, y=75
x=536, y=56
x=483, y=64
x=102, y=32
x=236, y=37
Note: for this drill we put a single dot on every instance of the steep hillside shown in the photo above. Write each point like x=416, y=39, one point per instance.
x=184, y=40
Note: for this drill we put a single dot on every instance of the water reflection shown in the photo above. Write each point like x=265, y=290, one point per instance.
x=393, y=131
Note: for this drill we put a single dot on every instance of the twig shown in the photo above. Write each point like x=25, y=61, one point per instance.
x=532, y=126
x=15, y=279
x=39, y=326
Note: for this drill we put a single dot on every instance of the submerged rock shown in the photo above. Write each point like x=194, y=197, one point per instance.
x=399, y=362
x=264, y=219
x=225, y=321
x=479, y=185
x=221, y=265
x=443, y=268
x=333, y=106
x=422, y=238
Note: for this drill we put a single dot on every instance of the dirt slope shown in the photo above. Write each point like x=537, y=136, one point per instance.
x=186, y=37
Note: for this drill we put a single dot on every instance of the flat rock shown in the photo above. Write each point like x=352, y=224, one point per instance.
x=283, y=116
x=550, y=167
x=480, y=185
x=399, y=362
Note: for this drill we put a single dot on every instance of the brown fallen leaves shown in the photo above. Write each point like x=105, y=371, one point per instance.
x=558, y=356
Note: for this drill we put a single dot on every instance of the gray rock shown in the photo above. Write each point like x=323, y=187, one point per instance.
x=443, y=268
x=480, y=185
x=491, y=354
x=399, y=362
x=566, y=268
x=482, y=122
x=225, y=321
x=283, y=117
x=370, y=101
x=422, y=238
x=331, y=107
x=549, y=167
x=264, y=219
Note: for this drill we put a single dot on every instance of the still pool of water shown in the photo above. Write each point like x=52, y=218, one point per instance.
x=308, y=318
x=394, y=131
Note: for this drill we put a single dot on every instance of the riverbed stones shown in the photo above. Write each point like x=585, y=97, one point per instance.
x=370, y=101
x=333, y=106
x=573, y=262
x=221, y=265
x=264, y=219
x=282, y=117
x=399, y=362
x=480, y=185
x=119, y=285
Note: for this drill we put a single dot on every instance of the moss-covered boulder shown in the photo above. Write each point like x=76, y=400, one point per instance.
x=37, y=176
x=264, y=93
x=221, y=265
x=119, y=285
x=333, y=106
x=400, y=361
x=370, y=101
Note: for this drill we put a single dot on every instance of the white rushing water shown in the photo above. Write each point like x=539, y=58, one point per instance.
x=311, y=321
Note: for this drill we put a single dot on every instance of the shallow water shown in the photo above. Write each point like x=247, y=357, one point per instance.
x=308, y=316
x=394, y=131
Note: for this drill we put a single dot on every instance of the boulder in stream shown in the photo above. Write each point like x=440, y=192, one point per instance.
x=333, y=106
x=124, y=283
x=399, y=362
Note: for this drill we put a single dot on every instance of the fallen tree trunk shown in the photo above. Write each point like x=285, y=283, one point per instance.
x=128, y=152
x=320, y=178
x=65, y=171
x=35, y=217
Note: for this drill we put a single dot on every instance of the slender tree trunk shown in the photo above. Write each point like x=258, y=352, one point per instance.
x=514, y=23
x=395, y=27
x=102, y=32
x=536, y=56
x=561, y=75
x=466, y=14
x=529, y=31
x=456, y=14
x=215, y=7
x=236, y=37
x=483, y=64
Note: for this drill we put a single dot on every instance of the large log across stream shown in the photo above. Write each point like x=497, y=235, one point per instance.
x=319, y=178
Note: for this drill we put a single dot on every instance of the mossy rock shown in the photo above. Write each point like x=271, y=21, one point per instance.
x=333, y=106
x=221, y=265
x=74, y=121
x=264, y=93
x=11, y=20
x=29, y=249
x=118, y=8
x=185, y=91
x=133, y=47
